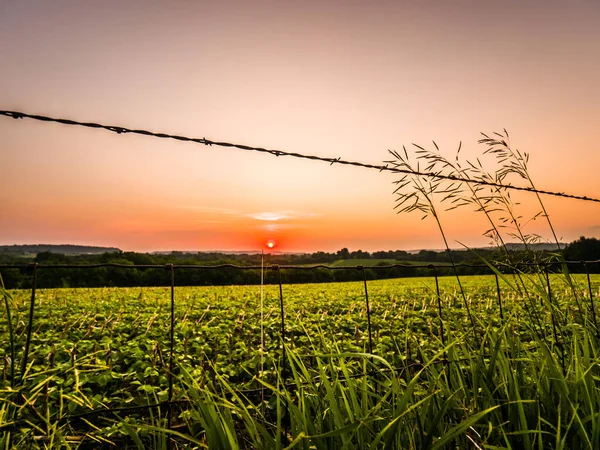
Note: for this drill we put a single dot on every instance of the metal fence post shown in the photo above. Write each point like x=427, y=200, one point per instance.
x=499, y=296
x=282, y=332
x=557, y=342
x=171, y=269
x=30, y=325
x=368, y=308
x=11, y=334
x=284, y=375
x=439, y=303
x=587, y=273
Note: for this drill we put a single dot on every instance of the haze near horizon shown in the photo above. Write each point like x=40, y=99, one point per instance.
x=336, y=79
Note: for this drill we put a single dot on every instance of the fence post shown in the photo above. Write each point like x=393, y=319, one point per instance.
x=368, y=308
x=587, y=273
x=171, y=269
x=11, y=334
x=558, y=343
x=284, y=376
x=282, y=332
x=30, y=325
x=499, y=298
x=439, y=303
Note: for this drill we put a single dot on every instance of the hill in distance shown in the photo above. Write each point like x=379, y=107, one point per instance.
x=65, y=249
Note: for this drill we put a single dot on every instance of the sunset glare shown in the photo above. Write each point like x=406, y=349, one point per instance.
x=338, y=79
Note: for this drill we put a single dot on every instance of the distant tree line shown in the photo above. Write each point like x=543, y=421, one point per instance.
x=581, y=249
x=67, y=249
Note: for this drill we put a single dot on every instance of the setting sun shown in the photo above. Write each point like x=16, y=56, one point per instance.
x=270, y=244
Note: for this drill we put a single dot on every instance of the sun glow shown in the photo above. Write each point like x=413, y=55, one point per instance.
x=271, y=244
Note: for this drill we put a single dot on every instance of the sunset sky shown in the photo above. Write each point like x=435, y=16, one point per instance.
x=347, y=79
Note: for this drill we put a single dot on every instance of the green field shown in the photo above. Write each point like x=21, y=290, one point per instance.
x=381, y=261
x=364, y=262
x=110, y=348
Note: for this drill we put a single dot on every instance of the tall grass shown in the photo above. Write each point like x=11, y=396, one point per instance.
x=505, y=393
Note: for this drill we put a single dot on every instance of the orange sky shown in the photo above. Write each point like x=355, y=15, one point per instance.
x=347, y=79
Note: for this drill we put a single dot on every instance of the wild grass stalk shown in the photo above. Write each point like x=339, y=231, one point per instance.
x=513, y=162
x=420, y=197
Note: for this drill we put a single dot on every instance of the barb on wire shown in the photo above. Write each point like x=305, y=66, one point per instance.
x=275, y=152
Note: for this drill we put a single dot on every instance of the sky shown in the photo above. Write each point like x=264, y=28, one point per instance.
x=348, y=79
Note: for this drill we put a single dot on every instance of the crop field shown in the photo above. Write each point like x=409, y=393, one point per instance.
x=109, y=349
x=377, y=261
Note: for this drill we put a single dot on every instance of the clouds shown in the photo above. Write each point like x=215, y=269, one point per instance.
x=264, y=216
x=274, y=216
x=270, y=221
x=268, y=216
x=595, y=229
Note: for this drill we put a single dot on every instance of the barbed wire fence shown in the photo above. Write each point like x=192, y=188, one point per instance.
x=171, y=269
x=434, y=269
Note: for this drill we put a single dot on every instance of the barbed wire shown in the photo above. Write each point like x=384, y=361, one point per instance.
x=275, y=152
